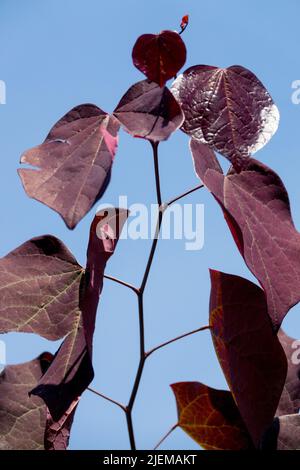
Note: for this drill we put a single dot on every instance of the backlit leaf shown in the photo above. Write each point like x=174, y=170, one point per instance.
x=159, y=56
x=210, y=417
x=248, y=349
x=73, y=165
x=256, y=207
x=71, y=371
x=148, y=111
x=228, y=109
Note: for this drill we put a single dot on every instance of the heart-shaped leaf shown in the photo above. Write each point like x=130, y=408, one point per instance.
x=73, y=165
x=45, y=291
x=210, y=417
x=149, y=112
x=290, y=398
x=159, y=56
x=256, y=207
x=22, y=418
x=228, y=109
x=248, y=349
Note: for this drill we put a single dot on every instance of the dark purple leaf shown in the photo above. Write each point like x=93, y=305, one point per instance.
x=248, y=349
x=210, y=417
x=45, y=291
x=256, y=207
x=228, y=109
x=71, y=371
x=73, y=165
x=159, y=56
x=149, y=112
x=40, y=284
x=290, y=398
x=57, y=434
x=22, y=418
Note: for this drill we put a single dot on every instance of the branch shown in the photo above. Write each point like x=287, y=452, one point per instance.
x=190, y=191
x=107, y=398
x=207, y=327
x=166, y=435
x=123, y=283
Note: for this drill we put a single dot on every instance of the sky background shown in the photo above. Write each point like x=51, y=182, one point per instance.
x=55, y=54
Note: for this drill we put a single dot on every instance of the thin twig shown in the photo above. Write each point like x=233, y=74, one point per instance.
x=123, y=283
x=140, y=295
x=190, y=191
x=207, y=327
x=159, y=219
x=107, y=398
x=165, y=436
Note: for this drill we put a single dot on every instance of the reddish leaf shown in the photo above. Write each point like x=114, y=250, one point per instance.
x=257, y=210
x=248, y=349
x=290, y=398
x=57, y=434
x=22, y=419
x=159, y=56
x=73, y=164
x=71, y=371
x=148, y=111
x=210, y=417
x=228, y=109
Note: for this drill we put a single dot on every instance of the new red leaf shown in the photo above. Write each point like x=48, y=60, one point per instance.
x=228, y=109
x=256, y=207
x=210, y=417
x=248, y=349
x=73, y=165
x=159, y=56
x=148, y=111
x=22, y=418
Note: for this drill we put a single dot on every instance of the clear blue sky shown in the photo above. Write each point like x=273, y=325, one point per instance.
x=56, y=54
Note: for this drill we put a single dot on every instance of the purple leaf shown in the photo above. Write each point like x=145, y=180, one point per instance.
x=149, y=112
x=256, y=207
x=22, y=418
x=57, y=434
x=71, y=371
x=45, y=291
x=159, y=56
x=73, y=165
x=290, y=398
x=248, y=349
x=228, y=109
